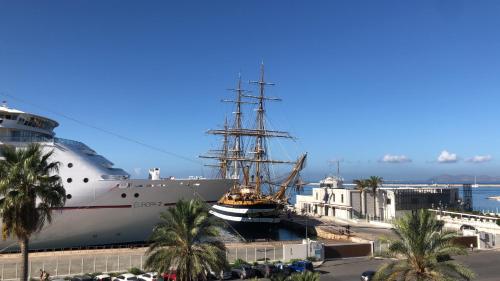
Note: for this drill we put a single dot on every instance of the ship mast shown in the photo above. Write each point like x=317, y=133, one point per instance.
x=223, y=159
x=238, y=144
x=221, y=154
x=234, y=156
x=260, y=147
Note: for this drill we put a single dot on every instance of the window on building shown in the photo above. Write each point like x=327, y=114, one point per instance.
x=316, y=196
x=341, y=198
x=333, y=197
x=388, y=202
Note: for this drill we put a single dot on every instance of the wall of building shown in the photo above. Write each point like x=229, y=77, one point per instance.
x=331, y=202
x=388, y=204
x=356, y=204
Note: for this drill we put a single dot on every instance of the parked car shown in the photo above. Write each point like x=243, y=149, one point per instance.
x=367, y=275
x=102, y=277
x=223, y=275
x=148, y=276
x=301, y=266
x=167, y=276
x=265, y=270
x=284, y=269
x=243, y=272
x=125, y=277
x=81, y=278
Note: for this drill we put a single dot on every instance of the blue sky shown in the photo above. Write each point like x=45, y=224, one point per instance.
x=361, y=81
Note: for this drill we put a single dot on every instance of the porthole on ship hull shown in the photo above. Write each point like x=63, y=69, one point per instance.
x=85, y=180
x=68, y=196
x=124, y=195
x=69, y=180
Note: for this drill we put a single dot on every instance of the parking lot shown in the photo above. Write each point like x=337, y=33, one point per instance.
x=484, y=263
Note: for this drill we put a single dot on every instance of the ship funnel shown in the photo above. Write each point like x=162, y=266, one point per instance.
x=154, y=174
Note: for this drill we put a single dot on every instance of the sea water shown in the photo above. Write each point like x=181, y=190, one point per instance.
x=480, y=201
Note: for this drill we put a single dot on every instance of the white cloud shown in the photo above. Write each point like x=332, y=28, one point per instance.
x=479, y=159
x=447, y=157
x=388, y=158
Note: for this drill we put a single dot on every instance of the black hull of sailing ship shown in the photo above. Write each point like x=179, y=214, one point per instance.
x=267, y=213
x=252, y=223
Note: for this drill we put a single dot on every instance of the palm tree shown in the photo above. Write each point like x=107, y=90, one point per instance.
x=30, y=188
x=424, y=246
x=361, y=185
x=305, y=276
x=186, y=240
x=374, y=182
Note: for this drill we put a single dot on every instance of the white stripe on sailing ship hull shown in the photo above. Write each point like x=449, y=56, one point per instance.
x=241, y=211
x=244, y=219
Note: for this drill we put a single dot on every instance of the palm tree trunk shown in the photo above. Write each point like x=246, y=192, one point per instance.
x=24, y=244
x=375, y=204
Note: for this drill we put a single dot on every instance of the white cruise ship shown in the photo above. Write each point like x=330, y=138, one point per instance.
x=103, y=205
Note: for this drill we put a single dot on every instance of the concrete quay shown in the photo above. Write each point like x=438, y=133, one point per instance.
x=333, y=230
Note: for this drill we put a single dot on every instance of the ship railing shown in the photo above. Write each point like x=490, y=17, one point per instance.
x=24, y=139
x=74, y=143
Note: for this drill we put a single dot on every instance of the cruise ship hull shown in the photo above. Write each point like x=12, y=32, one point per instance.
x=119, y=216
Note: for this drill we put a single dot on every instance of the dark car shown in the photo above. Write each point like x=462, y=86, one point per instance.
x=301, y=266
x=243, y=272
x=283, y=269
x=367, y=275
x=225, y=274
x=81, y=278
x=265, y=270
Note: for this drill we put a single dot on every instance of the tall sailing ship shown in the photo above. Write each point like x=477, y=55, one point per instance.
x=256, y=196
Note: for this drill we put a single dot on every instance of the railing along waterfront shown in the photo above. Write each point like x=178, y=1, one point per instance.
x=79, y=262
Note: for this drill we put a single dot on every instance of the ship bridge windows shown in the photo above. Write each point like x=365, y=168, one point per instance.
x=8, y=116
x=35, y=122
x=114, y=177
x=27, y=136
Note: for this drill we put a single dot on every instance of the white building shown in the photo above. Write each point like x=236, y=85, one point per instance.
x=332, y=199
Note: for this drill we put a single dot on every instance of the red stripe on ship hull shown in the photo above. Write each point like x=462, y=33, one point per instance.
x=109, y=206
x=94, y=207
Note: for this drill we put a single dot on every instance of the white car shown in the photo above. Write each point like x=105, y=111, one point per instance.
x=125, y=277
x=149, y=276
x=102, y=277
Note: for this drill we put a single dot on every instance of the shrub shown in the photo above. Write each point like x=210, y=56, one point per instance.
x=306, y=276
x=135, y=271
x=312, y=259
x=94, y=274
x=239, y=262
x=279, y=277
